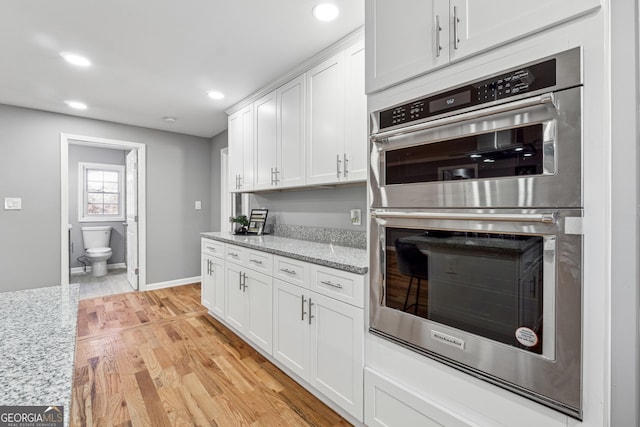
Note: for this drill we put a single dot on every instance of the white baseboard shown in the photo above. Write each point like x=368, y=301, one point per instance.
x=172, y=283
x=109, y=267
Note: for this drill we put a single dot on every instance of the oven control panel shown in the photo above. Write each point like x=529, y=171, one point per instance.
x=513, y=83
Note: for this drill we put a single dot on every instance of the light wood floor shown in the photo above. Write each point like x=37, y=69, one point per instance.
x=158, y=359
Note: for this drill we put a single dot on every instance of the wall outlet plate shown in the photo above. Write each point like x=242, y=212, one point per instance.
x=356, y=217
x=12, y=203
x=198, y=205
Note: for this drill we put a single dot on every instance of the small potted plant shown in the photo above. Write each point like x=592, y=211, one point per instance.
x=243, y=223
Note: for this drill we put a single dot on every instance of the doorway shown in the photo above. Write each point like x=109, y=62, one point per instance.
x=134, y=221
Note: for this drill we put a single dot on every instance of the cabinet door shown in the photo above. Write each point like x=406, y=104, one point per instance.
x=489, y=23
x=291, y=327
x=234, y=294
x=206, y=281
x=337, y=352
x=356, y=141
x=216, y=287
x=235, y=150
x=325, y=89
x=401, y=38
x=247, y=177
x=259, y=309
x=266, y=141
x=291, y=133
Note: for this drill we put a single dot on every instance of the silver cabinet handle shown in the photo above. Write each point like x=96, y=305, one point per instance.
x=277, y=175
x=211, y=248
x=346, y=165
x=244, y=282
x=302, y=312
x=328, y=283
x=233, y=254
x=256, y=261
x=456, y=23
x=273, y=182
x=240, y=280
x=338, y=161
x=286, y=270
x=438, y=29
x=311, y=316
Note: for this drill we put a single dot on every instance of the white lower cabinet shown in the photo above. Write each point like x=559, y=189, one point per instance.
x=320, y=339
x=248, y=303
x=389, y=404
x=308, y=318
x=212, y=273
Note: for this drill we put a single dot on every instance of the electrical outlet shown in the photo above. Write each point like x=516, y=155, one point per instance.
x=356, y=217
x=198, y=205
x=12, y=203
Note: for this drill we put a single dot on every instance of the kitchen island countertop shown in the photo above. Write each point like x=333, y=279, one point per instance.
x=345, y=258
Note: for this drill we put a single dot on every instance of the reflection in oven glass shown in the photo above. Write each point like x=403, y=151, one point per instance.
x=484, y=283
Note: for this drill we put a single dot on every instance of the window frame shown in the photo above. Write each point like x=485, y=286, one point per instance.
x=83, y=215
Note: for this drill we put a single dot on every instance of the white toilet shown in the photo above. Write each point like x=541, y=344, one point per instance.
x=96, y=246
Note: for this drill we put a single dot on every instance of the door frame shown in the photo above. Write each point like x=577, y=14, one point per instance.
x=90, y=141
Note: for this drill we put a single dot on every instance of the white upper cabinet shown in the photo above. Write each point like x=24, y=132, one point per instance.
x=326, y=121
x=266, y=141
x=241, y=140
x=402, y=39
x=280, y=140
x=481, y=25
x=337, y=119
x=406, y=38
x=291, y=133
x=311, y=130
x=356, y=138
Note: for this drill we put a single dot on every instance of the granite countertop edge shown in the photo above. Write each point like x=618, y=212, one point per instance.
x=356, y=260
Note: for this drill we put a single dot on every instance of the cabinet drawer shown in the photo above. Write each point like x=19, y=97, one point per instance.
x=260, y=261
x=291, y=271
x=213, y=248
x=338, y=284
x=235, y=254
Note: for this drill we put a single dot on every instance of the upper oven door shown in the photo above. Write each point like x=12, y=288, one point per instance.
x=527, y=153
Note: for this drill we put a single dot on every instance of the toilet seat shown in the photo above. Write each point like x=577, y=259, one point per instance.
x=98, y=251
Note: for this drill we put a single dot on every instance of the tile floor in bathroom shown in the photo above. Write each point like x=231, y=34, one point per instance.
x=115, y=282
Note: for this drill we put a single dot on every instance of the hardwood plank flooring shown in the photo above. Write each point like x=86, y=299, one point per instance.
x=158, y=359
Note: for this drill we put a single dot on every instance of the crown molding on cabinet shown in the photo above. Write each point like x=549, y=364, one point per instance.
x=305, y=66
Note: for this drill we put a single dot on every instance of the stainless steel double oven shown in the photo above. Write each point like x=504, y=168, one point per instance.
x=476, y=218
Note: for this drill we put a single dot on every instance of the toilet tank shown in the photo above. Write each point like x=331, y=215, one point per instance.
x=96, y=237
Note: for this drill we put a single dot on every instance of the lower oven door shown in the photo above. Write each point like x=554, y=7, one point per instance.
x=496, y=293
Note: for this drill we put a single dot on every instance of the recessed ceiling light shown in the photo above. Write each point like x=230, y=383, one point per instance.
x=76, y=104
x=215, y=94
x=325, y=11
x=75, y=59
x=169, y=119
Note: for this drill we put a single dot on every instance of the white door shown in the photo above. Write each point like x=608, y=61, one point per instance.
x=259, y=312
x=291, y=327
x=266, y=141
x=131, y=224
x=356, y=141
x=486, y=24
x=325, y=88
x=337, y=352
x=401, y=39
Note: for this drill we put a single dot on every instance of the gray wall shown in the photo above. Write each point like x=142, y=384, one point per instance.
x=325, y=207
x=78, y=153
x=178, y=173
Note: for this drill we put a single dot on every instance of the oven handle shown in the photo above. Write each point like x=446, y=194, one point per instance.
x=549, y=218
x=545, y=98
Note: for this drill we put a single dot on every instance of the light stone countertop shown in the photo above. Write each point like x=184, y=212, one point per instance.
x=37, y=348
x=345, y=258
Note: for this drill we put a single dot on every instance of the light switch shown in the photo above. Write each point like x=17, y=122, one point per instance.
x=12, y=203
x=198, y=205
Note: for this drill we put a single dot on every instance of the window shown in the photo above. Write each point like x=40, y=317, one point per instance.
x=100, y=192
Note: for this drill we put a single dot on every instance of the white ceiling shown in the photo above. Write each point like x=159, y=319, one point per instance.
x=157, y=58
